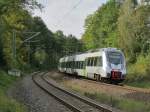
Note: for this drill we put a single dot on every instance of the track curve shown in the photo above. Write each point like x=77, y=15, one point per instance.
x=72, y=101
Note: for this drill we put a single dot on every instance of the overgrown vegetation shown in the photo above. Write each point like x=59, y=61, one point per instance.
x=121, y=103
x=40, y=53
x=16, y=20
x=126, y=105
x=7, y=104
x=125, y=26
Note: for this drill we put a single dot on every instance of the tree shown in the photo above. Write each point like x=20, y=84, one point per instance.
x=133, y=30
x=101, y=27
x=13, y=13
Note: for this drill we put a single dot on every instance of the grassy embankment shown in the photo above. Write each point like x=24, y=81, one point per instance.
x=127, y=105
x=139, y=73
x=7, y=104
x=124, y=104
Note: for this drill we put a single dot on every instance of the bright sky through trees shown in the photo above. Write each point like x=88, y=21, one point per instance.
x=67, y=15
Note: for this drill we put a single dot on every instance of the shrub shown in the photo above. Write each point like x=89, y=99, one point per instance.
x=140, y=70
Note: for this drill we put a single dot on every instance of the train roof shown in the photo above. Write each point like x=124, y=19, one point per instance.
x=94, y=50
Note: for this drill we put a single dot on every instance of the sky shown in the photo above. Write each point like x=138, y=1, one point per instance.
x=67, y=15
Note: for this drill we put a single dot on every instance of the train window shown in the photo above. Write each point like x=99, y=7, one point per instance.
x=80, y=64
x=77, y=64
x=88, y=62
x=64, y=64
x=73, y=64
x=99, y=61
x=83, y=64
x=92, y=62
x=69, y=64
x=95, y=61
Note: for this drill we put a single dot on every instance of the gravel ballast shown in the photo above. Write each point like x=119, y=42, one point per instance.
x=36, y=100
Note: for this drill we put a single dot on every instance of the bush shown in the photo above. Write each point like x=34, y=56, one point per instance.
x=140, y=70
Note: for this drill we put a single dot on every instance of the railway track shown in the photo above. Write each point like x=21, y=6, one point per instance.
x=72, y=101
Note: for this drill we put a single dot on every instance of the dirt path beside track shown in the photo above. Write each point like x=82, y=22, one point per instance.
x=94, y=87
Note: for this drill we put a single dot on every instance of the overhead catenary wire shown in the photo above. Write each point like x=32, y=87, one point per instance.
x=69, y=12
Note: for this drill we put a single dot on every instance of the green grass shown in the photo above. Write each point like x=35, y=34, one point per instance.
x=7, y=104
x=126, y=105
x=141, y=84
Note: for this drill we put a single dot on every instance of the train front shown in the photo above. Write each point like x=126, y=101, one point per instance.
x=116, y=65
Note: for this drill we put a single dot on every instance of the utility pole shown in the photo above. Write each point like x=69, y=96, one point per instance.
x=14, y=55
x=29, y=52
x=14, y=48
x=29, y=42
x=14, y=70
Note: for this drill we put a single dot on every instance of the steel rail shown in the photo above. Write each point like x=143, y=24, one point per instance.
x=112, y=85
x=103, y=108
x=67, y=104
x=71, y=107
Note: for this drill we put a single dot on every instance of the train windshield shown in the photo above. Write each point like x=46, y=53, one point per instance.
x=115, y=58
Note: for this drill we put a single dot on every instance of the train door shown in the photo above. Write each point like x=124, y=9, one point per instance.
x=85, y=67
x=89, y=67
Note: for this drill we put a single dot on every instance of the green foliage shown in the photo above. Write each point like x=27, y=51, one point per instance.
x=140, y=84
x=40, y=56
x=139, y=72
x=54, y=45
x=101, y=27
x=133, y=30
x=8, y=104
x=5, y=80
x=15, y=17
